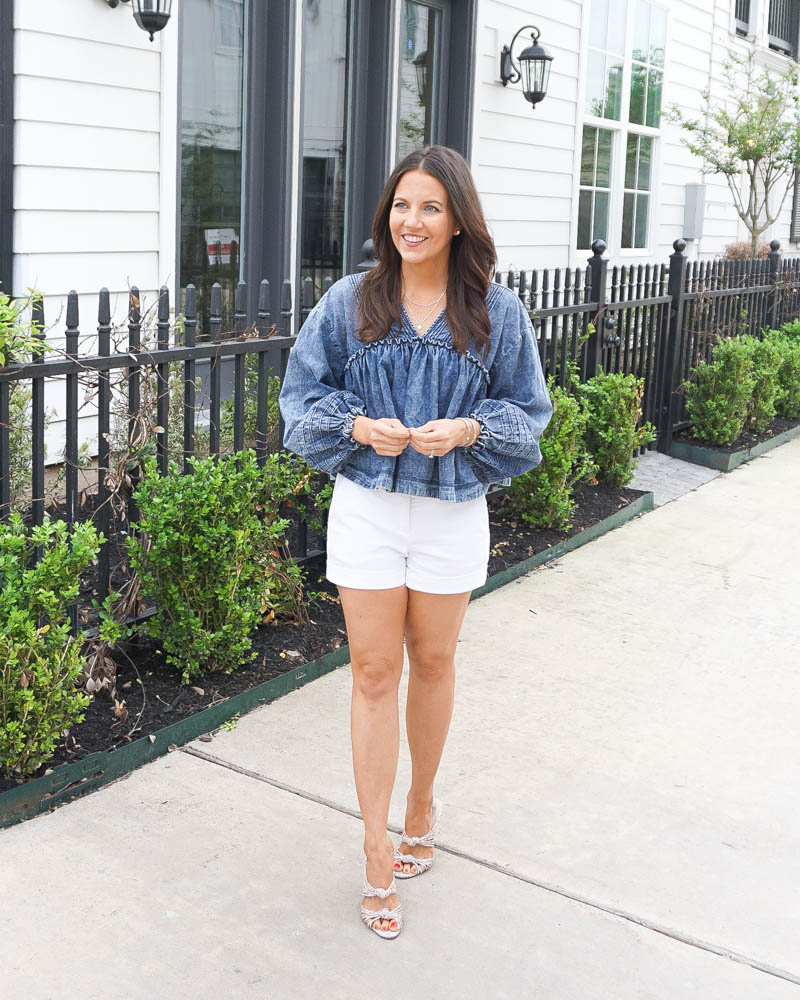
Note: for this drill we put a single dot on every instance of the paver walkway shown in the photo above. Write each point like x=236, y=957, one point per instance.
x=620, y=788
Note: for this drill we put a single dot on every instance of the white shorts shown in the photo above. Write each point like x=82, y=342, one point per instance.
x=379, y=539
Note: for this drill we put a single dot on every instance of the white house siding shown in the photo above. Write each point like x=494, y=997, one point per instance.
x=701, y=35
x=94, y=168
x=523, y=159
x=526, y=162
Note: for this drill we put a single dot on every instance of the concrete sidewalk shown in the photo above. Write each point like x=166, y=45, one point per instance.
x=621, y=816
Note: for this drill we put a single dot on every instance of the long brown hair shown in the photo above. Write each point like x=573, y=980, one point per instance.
x=472, y=255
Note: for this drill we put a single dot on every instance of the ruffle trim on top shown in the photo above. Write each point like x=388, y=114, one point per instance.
x=440, y=339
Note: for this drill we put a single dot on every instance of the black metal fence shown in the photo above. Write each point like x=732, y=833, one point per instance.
x=654, y=321
x=269, y=342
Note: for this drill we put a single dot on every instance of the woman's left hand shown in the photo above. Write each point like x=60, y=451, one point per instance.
x=441, y=436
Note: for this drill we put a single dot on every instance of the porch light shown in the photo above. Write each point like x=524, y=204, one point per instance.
x=150, y=15
x=532, y=66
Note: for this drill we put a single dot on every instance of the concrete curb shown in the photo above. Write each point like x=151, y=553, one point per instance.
x=71, y=781
x=726, y=461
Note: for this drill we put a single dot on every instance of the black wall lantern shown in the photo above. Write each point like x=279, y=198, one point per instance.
x=150, y=15
x=532, y=67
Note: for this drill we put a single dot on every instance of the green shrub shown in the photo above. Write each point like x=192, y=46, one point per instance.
x=788, y=397
x=203, y=556
x=792, y=329
x=39, y=661
x=766, y=364
x=718, y=393
x=613, y=405
x=543, y=496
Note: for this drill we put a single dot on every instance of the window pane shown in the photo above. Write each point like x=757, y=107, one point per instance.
x=604, y=139
x=630, y=162
x=658, y=35
x=641, y=31
x=325, y=39
x=595, y=84
x=212, y=43
x=419, y=70
x=614, y=90
x=584, y=220
x=616, y=26
x=587, y=155
x=598, y=24
x=627, y=220
x=654, y=98
x=638, y=88
x=600, y=216
x=642, y=207
x=645, y=156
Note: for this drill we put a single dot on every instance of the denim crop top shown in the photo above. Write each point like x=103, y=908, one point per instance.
x=331, y=378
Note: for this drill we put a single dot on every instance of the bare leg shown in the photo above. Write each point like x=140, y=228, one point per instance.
x=433, y=624
x=374, y=620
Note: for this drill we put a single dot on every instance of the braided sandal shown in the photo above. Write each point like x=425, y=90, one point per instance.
x=370, y=916
x=422, y=864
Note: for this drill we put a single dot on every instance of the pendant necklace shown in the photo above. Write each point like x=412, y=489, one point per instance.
x=427, y=314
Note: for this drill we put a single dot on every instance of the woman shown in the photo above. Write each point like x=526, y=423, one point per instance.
x=417, y=385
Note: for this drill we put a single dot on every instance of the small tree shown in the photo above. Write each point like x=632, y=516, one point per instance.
x=755, y=130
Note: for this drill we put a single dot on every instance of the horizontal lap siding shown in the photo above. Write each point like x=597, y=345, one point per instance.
x=86, y=170
x=522, y=158
x=699, y=48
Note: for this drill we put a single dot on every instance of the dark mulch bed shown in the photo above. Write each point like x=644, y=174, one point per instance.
x=152, y=693
x=744, y=441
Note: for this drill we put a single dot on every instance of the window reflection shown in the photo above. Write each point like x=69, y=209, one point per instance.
x=593, y=204
x=419, y=65
x=322, y=207
x=606, y=50
x=212, y=43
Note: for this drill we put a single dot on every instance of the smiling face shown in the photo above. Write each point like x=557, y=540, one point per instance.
x=421, y=223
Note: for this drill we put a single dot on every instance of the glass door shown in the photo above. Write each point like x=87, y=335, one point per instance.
x=422, y=85
x=211, y=80
x=326, y=58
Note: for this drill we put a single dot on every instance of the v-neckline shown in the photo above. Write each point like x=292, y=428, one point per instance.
x=425, y=332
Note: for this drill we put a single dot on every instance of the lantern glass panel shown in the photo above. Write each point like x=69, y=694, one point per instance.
x=536, y=74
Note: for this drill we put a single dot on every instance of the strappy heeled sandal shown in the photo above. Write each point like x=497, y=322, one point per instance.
x=370, y=916
x=422, y=864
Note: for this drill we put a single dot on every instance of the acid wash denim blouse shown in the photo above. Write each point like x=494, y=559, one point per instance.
x=331, y=378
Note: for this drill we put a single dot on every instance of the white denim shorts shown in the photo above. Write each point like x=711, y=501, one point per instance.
x=379, y=539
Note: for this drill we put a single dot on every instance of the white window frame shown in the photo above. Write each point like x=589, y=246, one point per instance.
x=620, y=130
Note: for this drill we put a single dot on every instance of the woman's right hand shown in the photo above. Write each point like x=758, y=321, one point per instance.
x=387, y=435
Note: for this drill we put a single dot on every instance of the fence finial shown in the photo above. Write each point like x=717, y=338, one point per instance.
x=368, y=260
x=679, y=245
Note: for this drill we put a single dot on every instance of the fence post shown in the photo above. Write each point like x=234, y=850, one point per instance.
x=774, y=270
x=672, y=356
x=592, y=349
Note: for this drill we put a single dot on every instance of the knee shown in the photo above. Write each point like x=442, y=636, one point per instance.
x=430, y=665
x=375, y=677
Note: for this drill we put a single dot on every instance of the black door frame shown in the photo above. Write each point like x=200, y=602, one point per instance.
x=269, y=136
x=370, y=123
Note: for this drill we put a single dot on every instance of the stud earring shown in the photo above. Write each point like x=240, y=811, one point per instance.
x=457, y=232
